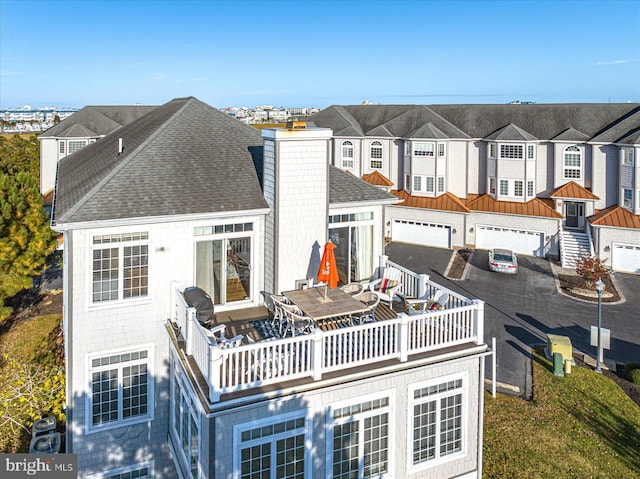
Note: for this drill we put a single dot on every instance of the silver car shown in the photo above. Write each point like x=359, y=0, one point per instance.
x=503, y=261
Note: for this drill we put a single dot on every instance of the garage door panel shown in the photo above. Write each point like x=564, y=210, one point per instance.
x=416, y=232
x=521, y=241
x=626, y=258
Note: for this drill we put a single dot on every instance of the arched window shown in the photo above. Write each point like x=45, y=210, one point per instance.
x=572, y=163
x=376, y=155
x=347, y=154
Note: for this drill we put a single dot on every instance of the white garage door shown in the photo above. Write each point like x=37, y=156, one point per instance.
x=520, y=241
x=428, y=234
x=626, y=257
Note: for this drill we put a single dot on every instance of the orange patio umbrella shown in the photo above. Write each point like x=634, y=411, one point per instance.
x=328, y=272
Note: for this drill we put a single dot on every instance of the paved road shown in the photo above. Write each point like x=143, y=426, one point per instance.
x=520, y=310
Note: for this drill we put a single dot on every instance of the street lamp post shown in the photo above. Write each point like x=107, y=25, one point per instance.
x=600, y=289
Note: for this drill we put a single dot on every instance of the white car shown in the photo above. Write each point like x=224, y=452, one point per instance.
x=503, y=261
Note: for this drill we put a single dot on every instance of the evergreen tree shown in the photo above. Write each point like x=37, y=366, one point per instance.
x=20, y=154
x=26, y=240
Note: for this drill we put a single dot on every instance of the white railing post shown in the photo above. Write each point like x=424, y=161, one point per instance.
x=479, y=320
x=191, y=318
x=422, y=285
x=403, y=337
x=383, y=261
x=317, y=353
x=215, y=364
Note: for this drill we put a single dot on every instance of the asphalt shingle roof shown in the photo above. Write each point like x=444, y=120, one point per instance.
x=184, y=157
x=345, y=187
x=606, y=122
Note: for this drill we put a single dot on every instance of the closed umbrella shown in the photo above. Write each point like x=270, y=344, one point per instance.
x=328, y=272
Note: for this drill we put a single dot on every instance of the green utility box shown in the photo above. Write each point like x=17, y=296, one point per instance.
x=559, y=344
x=558, y=363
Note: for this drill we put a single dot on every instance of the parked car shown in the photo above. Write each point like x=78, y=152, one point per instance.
x=503, y=261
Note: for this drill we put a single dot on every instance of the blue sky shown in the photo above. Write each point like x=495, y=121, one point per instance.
x=304, y=53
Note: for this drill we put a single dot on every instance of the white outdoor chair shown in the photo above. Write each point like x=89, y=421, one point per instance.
x=296, y=323
x=371, y=299
x=388, y=285
x=281, y=305
x=232, y=343
x=353, y=289
x=215, y=334
x=420, y=305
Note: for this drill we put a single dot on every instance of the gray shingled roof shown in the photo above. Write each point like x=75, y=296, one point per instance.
x=511, y=133
x=571, y=134
x=345, y=187
x=184, y=157
x=97, y=120
x=607, y=122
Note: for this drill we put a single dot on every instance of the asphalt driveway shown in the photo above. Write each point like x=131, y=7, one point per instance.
x=521, y=309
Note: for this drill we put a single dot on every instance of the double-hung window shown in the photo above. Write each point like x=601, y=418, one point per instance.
x=347, y=154
x=518, y=188
x=441, y=185
x=272, y=448
x=425, y=184
x=121, y=389
x=441, y=149
x=437, y=421
x=531, y=152
x=185, y=423
x=492, y=150
x=376, y=155
x=360, y=439
x=120, y=264
x=504, y=187
x=572, y=163
x=492, y=186
x=627, y=198
x=530, y=189
x=61, y=145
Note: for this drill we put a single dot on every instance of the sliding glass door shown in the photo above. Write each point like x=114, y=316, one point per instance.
x=223, y=269
x=354, y=252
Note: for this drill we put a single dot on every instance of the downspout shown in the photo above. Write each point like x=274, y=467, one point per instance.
x=480, y=415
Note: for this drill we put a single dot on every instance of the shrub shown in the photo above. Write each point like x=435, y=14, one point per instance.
x=591, y=268
x=628, y=368
x=634, y=376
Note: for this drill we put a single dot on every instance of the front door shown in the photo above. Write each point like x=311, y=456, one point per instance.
x=574, y=214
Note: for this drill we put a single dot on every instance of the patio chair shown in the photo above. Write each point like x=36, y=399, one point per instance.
x=388, y=285
x=233, y=342
x=280, y=305
x=296, y=323
x=353, y=289
x=216, y=334
x=371, y=299
x=420, y=305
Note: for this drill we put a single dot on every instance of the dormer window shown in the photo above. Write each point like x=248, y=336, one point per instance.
x=572, y=163
x=347, y=154
x=376, y=155
x=512, y=152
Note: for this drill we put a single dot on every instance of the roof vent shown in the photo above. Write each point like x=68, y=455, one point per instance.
x=120, y=146
x=296, y=125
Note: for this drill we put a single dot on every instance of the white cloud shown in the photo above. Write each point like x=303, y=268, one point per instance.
x=617, y=62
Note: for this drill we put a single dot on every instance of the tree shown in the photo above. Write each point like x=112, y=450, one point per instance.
x=26, y=240
x=20, y=154
x=591, y=268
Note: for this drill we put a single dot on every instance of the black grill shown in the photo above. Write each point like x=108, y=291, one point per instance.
x=199, y=299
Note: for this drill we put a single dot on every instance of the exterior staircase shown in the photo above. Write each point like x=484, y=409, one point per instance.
x=573, y=244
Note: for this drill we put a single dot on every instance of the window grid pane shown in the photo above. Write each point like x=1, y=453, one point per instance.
x=424, y=149
x=517, y=188
x=424, y=432
x=451, y=424
x=530, y=189
x=290, y=457
x=429, y=186
x=136, y=271
x=105, y=274
x=104, y=396
x=504, y=187
x=345, y=451
x=417, y=180
x=376, y=445
x=511, y=151
x=134, y=391
x=255, y=462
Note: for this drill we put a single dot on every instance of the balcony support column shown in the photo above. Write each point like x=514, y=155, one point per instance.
x=403, y=337
x=479, y=320
x=215, y=365
x=188, y=336
x=317, y=353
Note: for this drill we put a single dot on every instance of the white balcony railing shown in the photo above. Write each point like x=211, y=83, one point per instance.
x=314, y=355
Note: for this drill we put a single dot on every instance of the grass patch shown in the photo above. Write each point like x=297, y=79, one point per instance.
x=578, y=426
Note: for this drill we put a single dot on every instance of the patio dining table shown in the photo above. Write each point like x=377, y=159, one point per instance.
x=314, y=303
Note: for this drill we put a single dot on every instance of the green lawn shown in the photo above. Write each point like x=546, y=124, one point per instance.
x=578, y=426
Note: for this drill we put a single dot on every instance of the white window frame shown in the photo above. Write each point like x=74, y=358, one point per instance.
x=347, y=160
x=424, y=148
x=493, y=150
x=627, y=157
x=355, y=416
x=120, y=245
x=407, y=148
x=417, y=183
x=423, y=183
x=572, y=150
x=61, y=147
x=239, y=444
x=492, y=186
x=463, y=390
x=627, y=203
x=531, y=152
x=502, y=183
x=441, y=184
x=110, y=357
x=75, y=143
x=442, y=150
x=187, y=408
x=510, y=151
x=518, y=184
x=531, y=189
x=429, y=184
x=126, y=472
x=376, y=154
